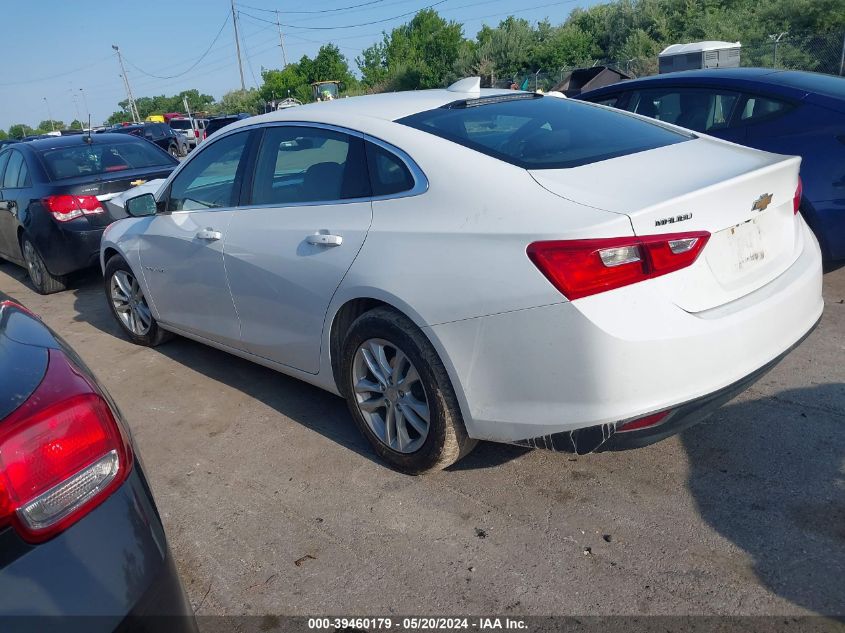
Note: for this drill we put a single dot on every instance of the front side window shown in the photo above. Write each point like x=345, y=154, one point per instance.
x=301, y=164
x=699, y=110
x=211, y=180
x=542, y=132
x=388, y=173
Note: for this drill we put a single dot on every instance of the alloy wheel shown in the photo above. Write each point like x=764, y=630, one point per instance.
x=390, y=395
x=33, y=263
x=129, y=303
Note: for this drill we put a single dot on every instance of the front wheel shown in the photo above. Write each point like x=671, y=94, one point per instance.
x=174, y=151
x=44, y=281
x=400, y=395
x=129, y=305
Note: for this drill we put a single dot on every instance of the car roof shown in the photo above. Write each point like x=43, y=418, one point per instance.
x=786, y=82
x=56, y=142
x=388, y=106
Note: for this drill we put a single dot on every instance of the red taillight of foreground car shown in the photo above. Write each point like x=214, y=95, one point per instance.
x=66, y=207
x=796, y=199
x=580, y=268
x=62, y=453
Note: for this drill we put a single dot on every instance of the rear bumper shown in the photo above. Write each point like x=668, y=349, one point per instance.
x=609, y=437
x=111, y=571
x=66, y=251
x=525, y=375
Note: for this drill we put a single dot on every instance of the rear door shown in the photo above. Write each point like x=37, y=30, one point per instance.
x=288, y=250
x=181, y=249
x=16, y=185
x=4, y=206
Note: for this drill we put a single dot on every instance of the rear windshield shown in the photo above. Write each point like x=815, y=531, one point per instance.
x=102, y=158
x=181, y=124
x=542, y=132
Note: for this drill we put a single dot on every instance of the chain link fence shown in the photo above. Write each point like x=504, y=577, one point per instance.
x=824, y=53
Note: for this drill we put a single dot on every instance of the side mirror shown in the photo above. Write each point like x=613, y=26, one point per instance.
x=141, y=206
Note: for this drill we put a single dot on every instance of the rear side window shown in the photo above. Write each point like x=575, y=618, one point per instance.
x=300, y=164
x=4, y=158
x=388, y=173
x=758, y=108
x=542, y=132
x=102, y=158
x=697, y=109
x=15, y=173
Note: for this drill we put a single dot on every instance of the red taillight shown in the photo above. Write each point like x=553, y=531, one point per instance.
x=643, y=423
x=62, y=453
x=579, y=268
x=67, y=207
x=796, y=199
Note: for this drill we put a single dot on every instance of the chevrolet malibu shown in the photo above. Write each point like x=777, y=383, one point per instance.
x=468, y=264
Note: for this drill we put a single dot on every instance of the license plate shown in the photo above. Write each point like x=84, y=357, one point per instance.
x=746, y=242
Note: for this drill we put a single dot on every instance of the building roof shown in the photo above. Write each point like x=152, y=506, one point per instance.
x=697, y=47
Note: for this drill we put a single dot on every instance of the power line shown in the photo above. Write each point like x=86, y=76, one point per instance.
x=352, y=6
x=194, y=65
x=349, y=26
x=58, y=75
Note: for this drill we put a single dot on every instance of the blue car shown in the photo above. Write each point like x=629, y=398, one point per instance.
x=82, y=547
x=781, y=111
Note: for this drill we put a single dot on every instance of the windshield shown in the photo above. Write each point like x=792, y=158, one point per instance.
x=103, y=158
x=542, y=132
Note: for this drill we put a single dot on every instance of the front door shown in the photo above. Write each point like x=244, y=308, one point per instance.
x=181, y=249
x=289, y=248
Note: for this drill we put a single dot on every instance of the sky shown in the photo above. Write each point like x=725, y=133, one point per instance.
x=65, y=64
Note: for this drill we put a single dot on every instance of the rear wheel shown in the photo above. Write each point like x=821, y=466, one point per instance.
x=44, y=281
x=129, y=306
x=400, y=395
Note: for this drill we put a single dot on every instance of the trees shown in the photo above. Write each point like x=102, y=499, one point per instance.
x=19, y=130
x=236, y=101
x=419, y=54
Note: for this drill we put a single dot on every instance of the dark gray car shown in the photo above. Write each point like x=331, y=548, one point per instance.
x=82, y=547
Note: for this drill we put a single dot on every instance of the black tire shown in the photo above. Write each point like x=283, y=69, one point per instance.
x=155, y=335
x=174, y=150
x=43, y=280
x=447, y=439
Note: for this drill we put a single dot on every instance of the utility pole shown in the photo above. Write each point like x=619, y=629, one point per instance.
x=85, y=101
x=842, y=59
x=49, y=116
x=136, y=118
x=238, y=45
x=282, y=42
x=76, y=106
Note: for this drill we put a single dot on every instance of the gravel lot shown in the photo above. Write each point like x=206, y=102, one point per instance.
x=274, y=504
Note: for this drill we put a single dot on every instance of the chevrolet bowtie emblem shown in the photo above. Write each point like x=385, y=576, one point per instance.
x=762, y=202
x=135, y=183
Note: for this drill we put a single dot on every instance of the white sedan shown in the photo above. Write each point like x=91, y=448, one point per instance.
x=468, y=264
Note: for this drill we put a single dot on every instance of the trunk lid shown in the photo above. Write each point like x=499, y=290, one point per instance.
x=742, y=197
x=107, y=186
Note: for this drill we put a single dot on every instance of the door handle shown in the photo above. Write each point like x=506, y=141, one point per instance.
x=324, y=239
x=209, y=234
